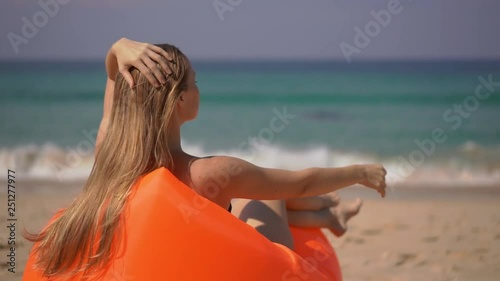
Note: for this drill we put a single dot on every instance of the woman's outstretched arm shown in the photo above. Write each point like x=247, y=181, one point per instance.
x=236, y=178
x=122, y=56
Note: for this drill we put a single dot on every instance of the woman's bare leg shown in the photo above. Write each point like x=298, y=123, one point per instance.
x=333, y=218
x=314, y=202
x=269, y=217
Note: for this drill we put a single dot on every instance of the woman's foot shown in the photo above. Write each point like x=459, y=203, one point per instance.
x=341, y=214
x=313, y=203
x=331, y=199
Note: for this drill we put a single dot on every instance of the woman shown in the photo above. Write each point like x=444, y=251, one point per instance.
x=142, y=133
x=322, y=211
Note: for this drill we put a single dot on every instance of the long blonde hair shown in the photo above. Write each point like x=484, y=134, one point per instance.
x=135, y=144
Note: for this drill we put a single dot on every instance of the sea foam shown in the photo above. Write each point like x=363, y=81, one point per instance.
x=52, y=163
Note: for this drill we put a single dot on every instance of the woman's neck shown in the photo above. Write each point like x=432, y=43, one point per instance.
x=174, y=140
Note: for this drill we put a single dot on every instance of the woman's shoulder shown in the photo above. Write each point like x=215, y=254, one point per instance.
x=214, y=176
x=206, y=168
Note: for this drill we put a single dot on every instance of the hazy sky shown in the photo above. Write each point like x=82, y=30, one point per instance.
x=419, y=29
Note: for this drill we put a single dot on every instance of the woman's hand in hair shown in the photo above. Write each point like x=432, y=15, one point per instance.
x=126, y=53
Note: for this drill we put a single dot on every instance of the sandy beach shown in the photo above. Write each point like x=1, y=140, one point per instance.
x=435, y=235
x=412, y=235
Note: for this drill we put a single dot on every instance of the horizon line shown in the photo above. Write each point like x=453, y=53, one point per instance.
x=272, y=60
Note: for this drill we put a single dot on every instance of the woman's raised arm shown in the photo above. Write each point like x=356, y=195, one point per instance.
x=122, y=56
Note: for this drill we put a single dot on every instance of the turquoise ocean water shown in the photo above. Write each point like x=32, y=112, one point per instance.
x=277, y=114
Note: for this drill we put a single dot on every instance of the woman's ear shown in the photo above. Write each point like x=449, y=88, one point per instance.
x=180, y=101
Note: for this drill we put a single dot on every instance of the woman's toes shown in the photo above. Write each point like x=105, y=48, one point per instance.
x=340, y=215
x=331, y=199
x=352, y=209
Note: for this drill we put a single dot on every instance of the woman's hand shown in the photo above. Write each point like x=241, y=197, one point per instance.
x=126, y=53
x=373, y=176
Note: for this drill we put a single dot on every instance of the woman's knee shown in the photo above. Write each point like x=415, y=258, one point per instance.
x=268, y=217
